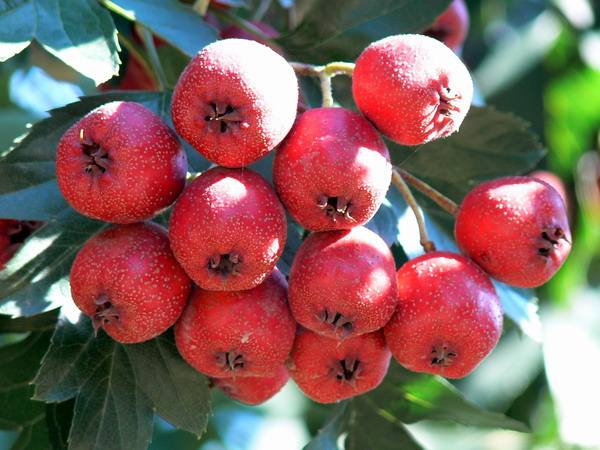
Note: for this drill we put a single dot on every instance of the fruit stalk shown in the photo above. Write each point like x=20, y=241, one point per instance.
x=154, y=59
x=440, y=199
x=398, y=181
x=325, y=74
x=244, y=24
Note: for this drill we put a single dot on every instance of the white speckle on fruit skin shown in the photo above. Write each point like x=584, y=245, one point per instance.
x=146, y=164
x=399, y=83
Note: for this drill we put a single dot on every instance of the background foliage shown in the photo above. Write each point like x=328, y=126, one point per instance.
x=536, y=66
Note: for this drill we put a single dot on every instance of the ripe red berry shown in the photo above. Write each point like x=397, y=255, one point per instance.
x=253, y=390
x=333, y=170
x=328, y=370
x=448, y=319
x=127, y=280
x=120, y=163
x=343, y=283
x=238, y=333
x=553, y=180
x=413, y=88
x=228, y=229
x=235, y=101
x=516, y=229
x=452, y=26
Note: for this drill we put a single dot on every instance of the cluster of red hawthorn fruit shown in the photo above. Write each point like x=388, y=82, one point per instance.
x=346, y=309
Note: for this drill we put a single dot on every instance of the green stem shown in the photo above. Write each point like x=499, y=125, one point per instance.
x=201, y=6
x=136, y=53
x=325, y=74
x=242, y=23
x=154, y=59
x=398, y=181
x=440, y=199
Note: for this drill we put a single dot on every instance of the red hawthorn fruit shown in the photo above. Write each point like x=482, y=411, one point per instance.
x=553, y=180
x=449, y=317
x=516, y=229
x=120, y=163
x=328, y=370
x=128, y=281
x=333, y=170
x=235, y=32
x=413, y=88
x=228, y=229
x=343, y=283
x=235, y=101
x=253, y=390
x=452, y=26
x=12, y=234
x=249, y=333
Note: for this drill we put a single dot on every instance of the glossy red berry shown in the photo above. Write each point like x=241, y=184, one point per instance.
x=237, y=333
x=228, y=229
x=235, y=101
x=253, y=390
x=128, y=281
x=328, y=370
x=413, y=88
x=120, y=163
x=343, y=283
x=333, y=170
x=452, y=26
x=516, y=229
x=448, y=319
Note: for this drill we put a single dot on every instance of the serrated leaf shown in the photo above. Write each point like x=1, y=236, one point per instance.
x=334, y=30
x=18, y=365
x=490, y=144
x=177, y=391
x=58, y=420
x=410, y=397
x=79, y=32
x=173, y=21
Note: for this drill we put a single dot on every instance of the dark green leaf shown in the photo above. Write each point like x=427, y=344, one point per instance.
x=58, y=420
x=111, y=411
x=490, y=144
x=327, y=437
x=333, y=30
x=79, y=32
x=46, y=321
x=172, y=20
x=34, y=436
x=179, y=393
x=409, y=397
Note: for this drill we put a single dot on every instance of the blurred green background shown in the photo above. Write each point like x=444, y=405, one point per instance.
x=541, y=61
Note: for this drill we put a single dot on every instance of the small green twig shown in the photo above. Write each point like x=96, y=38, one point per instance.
x=262, y=9
x=325, y=74
x=244, y=24
x=398, y=181
x=440, y=199
x=136, y=53
x=154, y=59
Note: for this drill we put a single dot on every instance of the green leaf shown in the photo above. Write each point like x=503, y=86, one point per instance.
x=58, y=419
x=327, y=437
x=40, y=322
x=490, y=144
x=117, y=387
x=18, y=365
x=333, y=30
x=79, y=32
x=179, y=393
x=173, y=21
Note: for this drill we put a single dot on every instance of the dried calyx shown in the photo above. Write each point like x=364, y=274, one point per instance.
x=335, y=207
x=226, y=264
x=222, y=116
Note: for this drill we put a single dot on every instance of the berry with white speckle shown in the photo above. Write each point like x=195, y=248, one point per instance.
x=253, y=390
x=449, y=317
x=516, y=229
x=128, y=281
x=413, y=88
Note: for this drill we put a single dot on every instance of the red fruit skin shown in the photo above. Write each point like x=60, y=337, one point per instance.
x=413, y=88
x=12, y=235
x=452, y=26
x=145, y=165
x=133, y=268
x=315, y=365
x=253, y=390
x=335, y=155
x=348, y=272
x=225, y=212
x=235, y=101
x=235, y=32
x=255, y=325
x=516, y=229
x=447, y=310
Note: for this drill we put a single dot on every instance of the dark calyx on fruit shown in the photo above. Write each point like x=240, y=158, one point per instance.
x=337, y=321
x=227, y=264
x=447, y=100
x=98, y=156
x=105, y=313
x=550, y=240
x=335, y=207
x=221, y=117
x=348, y=370
x=442, y=356
x=231, y=360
